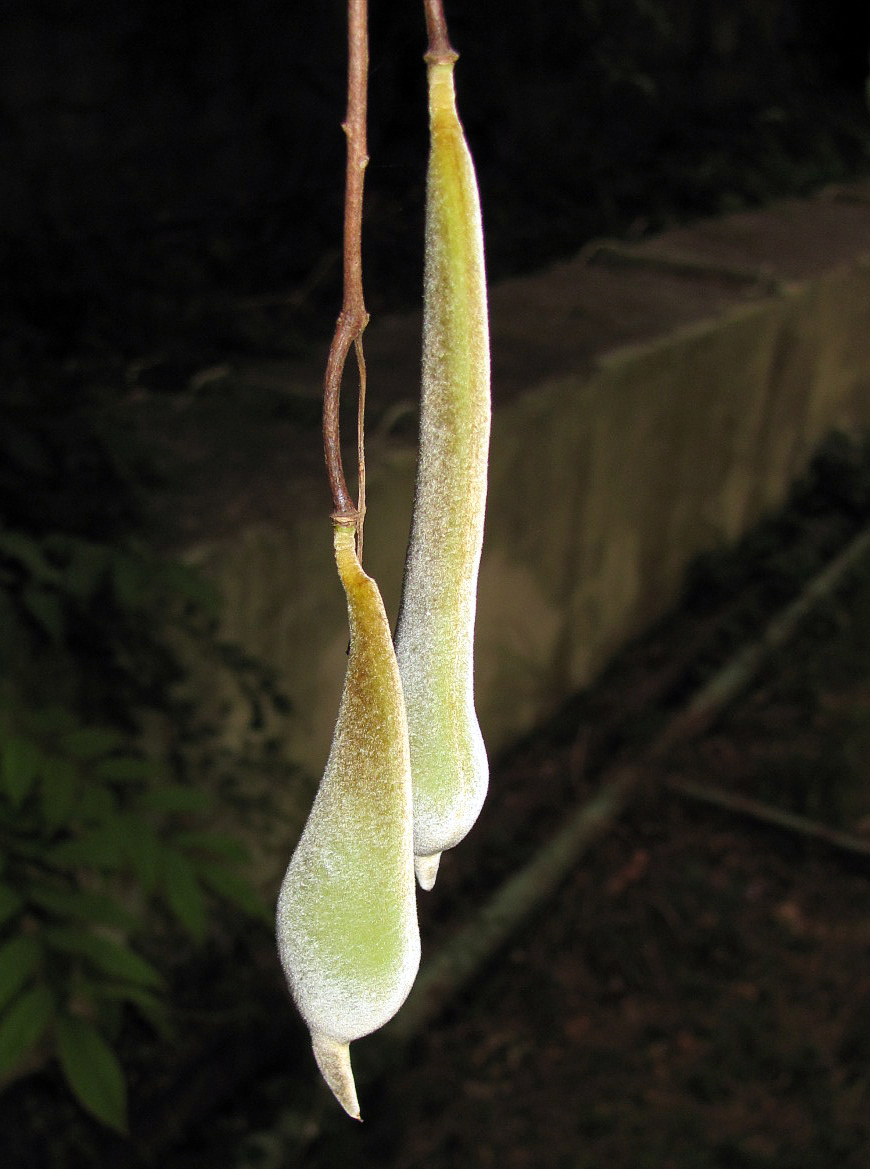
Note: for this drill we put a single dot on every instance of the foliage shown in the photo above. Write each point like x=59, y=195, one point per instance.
x=92, y=833
x=105, y=838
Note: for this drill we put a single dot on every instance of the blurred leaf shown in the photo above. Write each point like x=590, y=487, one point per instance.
x=93, y=742
x=141, y=848
x=78, y=903
x=110, y=957
x=59, y=788
x=23, y=1025
x=92, y=1071
x=45, y=609
x=175, y=798
x=98, y=848
x=21, y=847
x=15, y=628
x=129, y=582
x=18, y=960
x=29, y=554
x=184, y=894
x=152, y=1008
x=10, y=902
x=86, y=569
x=237, y=891
x=20, y=763
x=97, y=804
x=213, y=843
x=51, y=720
x=126, y=769
x=191, y=586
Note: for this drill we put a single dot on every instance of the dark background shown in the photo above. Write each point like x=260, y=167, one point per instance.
x=161, y=160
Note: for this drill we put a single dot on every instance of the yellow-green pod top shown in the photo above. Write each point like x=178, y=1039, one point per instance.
x=347, y=921
x=435, y=630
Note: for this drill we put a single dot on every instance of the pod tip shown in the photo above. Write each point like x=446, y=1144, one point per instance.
x=333, y=1059
x=426, y=868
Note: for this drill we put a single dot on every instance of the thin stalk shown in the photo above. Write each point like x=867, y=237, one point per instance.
x=742, y=805
x=353, y=317
x=440, y=48
x=360, y=448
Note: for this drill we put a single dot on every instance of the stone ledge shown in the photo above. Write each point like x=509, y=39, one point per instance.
x=652, y=401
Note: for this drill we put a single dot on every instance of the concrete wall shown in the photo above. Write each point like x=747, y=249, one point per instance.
x=674, y=431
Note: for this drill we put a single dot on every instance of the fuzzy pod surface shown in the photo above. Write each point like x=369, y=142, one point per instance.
x=346, y=919
x=435, y=629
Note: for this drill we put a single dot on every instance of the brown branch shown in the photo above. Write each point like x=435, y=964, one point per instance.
x=440, y=48
x=353, y=317
x=776, y=817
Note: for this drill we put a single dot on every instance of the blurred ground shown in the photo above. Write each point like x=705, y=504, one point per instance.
x=698, y=994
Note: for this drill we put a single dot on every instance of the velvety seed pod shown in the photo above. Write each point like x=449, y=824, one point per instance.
x=435, y=629
x=347, y=919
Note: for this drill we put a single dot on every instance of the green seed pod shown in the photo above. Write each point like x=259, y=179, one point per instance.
x=347, y=918
x=435, y=630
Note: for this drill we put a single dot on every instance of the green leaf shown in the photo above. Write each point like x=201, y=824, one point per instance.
x=45, y=609
x=23, y=848
x=85, y=570
x=108, y=956
x=52, y=720
x=19, y=957
x=98, y=848
x=175, y=798
x=28, y=553
x=20, y=764
x=236, y=890
x=86, y=906
x=142, y=849
x=23, y=1025
x=191, y=586
x=126, y=769
x=150, y=1006
x=11, y=623
x=92, y=742
x=59, y=787
x=10, y=902
x=184, y=894
x=129, y=582
x=92, y=1071
x=98, y=805
x=214, y=843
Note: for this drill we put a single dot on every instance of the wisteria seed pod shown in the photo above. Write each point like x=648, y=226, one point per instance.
x=435, y=630
x=347, y=918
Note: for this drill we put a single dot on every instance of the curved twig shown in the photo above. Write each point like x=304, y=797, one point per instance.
x=353, y=317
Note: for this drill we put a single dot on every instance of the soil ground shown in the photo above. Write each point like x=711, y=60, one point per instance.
x=697, y=995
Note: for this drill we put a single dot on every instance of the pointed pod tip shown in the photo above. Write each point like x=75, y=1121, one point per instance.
x=333, y=1059
x=426, y=868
